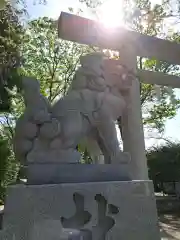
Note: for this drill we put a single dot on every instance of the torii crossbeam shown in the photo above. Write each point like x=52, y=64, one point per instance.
x=130, y=44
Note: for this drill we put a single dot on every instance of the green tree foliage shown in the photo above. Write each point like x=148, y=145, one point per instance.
x=157, y=109
x=11, y=33
x=11, y=105
x=3, y=163
x=49, y=59
x=164, y=163
x=2, y=4
x=8, y=166
x=150, y=20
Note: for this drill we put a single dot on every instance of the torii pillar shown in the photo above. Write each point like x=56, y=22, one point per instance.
x=85, y=31
x=132, y=126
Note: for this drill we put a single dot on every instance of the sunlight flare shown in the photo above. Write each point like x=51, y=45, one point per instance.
x=111, y=13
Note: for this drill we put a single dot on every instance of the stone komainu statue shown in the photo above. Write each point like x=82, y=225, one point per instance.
x=95, y=100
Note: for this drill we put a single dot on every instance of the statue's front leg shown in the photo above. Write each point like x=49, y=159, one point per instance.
x=73, y=129
x=107, y=138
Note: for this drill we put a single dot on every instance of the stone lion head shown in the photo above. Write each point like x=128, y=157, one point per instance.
x=111, y=70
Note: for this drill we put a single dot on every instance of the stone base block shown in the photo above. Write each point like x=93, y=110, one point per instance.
x=98, y=211
x=7, y=235
x=53, y=173
x=54, y=156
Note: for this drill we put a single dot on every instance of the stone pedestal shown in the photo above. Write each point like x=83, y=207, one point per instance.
x=55, y=173
x=7, y=234
x=95, y=211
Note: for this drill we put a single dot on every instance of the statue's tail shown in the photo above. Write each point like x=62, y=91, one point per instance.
x=35, y=123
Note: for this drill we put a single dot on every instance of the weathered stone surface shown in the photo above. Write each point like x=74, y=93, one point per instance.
x=93, y=62
x=50, y=129
x=53, y=156
x=127, y=210
x=121, y=158
x=29, y=130
x=44, y=167
x=37, y=106
x=46, y=229
x=40, y=144
x=56, y=143
x=22, y=146
x=76, y=173
x=71, y=234
x=7, y=235
x=41, y=117
x=36, y=112
x=92, y=105
x=52, y=230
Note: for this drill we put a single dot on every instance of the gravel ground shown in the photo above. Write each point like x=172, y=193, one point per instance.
x=170, y=227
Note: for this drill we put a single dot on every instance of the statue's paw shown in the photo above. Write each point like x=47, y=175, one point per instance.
x=56, y=143
x=22, y=147
x=121, y=157
x=29, y=130
x=50, y=130
x=40, y=144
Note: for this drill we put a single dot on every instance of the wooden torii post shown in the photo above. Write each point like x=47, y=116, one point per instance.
x=130, y=44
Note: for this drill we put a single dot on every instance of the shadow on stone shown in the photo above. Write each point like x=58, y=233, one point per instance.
x=105, y=223
x=80, y=217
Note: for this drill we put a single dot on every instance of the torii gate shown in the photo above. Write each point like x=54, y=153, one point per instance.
x=130, y=44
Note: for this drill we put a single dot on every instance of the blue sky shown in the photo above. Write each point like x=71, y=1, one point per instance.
x=53, y=9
